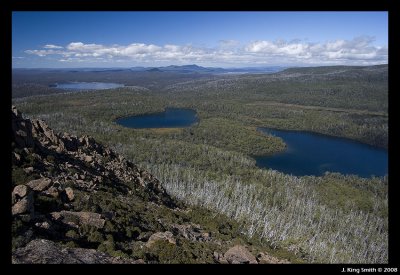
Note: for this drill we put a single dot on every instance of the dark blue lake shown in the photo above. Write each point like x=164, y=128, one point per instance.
x=314, y=154
x=170, y=118
x=87, y=85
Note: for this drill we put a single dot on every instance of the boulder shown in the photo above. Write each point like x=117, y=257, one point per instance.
x=41, y=251
x=23, y=206
x=144, y=236
x=89, y=159
x=19, y=192
x=39, y=184
x=44, y=133
x=16, y=112
x=28, y=170
x=167, y=236
x=239, y=255
x=264, y=258
x=70, y=193
x=87, y=141
x=22, y=200
x=219, y=258
x=52, y=191
x=79, y=218
x=21, y=130
x=43, y=225
x=16, y=157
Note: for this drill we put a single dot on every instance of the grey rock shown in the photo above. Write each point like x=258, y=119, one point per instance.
x=239, y=255
x=22, y=199
x=45, y=134
x=39, y=184
x=167, y=236
x=16, y=157
x=16, y=112
x=52, y=191
x=79, y=218
x=19, y=192
x=219, y=258
x=22, y=130
x=25, y=205
x=70, y=193
x=88, y=159
x=265, y=258
x=41, y=251
x=44, y=225
x=28, y=170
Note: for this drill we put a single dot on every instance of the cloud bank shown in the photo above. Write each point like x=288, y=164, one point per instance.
x=358, y=51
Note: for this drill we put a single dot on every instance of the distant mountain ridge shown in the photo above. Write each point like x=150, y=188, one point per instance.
x=193, y=68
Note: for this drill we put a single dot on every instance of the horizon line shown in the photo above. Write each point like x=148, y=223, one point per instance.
x=217, y=67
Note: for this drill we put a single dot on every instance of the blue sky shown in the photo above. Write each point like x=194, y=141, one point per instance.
x=225, y=39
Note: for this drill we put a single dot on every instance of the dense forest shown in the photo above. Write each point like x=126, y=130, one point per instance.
x=329, y=219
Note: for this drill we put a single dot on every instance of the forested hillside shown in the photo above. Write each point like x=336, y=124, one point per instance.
x=329, y=219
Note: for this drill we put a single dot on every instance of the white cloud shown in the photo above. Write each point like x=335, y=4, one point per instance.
x=41, y=52
x=51, y=46
x=72, y=59
x=359, y=50
x=345, y=51
x=137, y=48
x=80, y=47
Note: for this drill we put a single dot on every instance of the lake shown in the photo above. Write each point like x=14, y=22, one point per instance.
x=315, y=154
x=87, y=85
x=170, y=118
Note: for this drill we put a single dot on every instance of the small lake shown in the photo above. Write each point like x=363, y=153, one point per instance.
x=170, y=118
x=314, y=154
x=87, y=86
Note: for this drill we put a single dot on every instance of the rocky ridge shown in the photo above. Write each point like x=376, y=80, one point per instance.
x=76, y=201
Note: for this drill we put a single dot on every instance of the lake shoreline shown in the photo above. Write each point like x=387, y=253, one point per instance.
x=324, y=135
x=310, y=153
x=130, y=119
x=86, y=86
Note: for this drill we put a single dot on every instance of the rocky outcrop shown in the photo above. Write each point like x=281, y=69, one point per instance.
x=236, y=255
x=39, y=184
x=62, y=172
x=166, y=236
x=46, y=135
x=192, y=232
x=42, y=251
x=264, y=258
x=22, y=199
x=52, y=192
x=21, y=129
x=19, y=192
x=69, y=193
x=219, y=258
x=25, y=205
x=76, y=219
x=63, y=153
